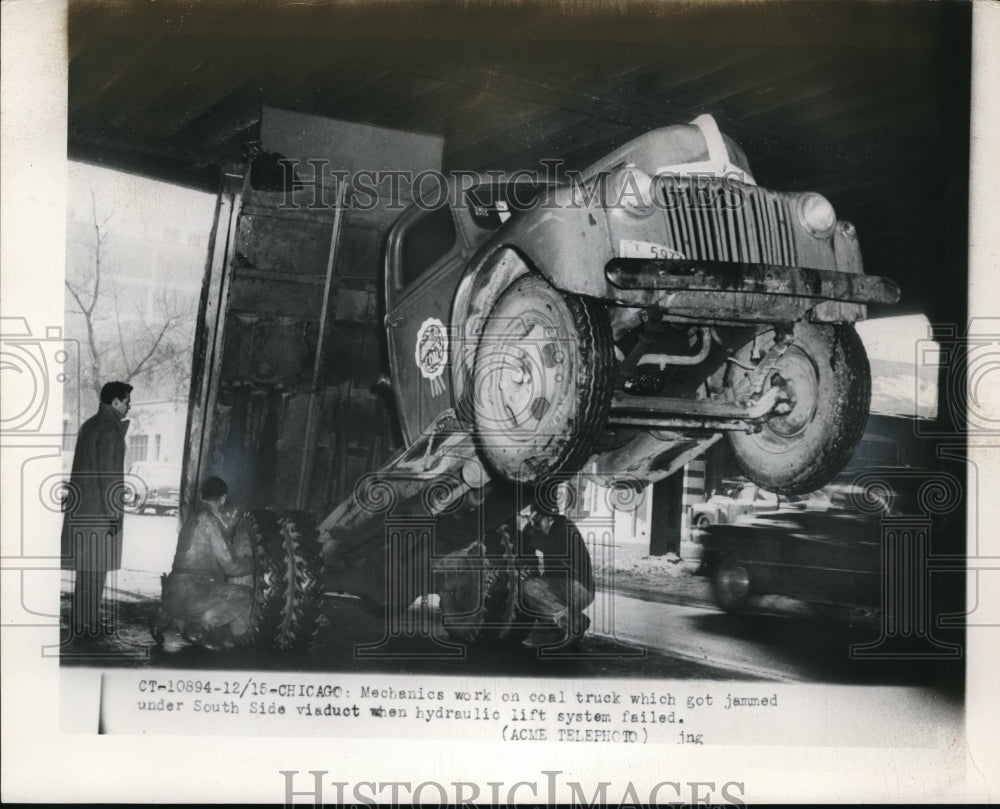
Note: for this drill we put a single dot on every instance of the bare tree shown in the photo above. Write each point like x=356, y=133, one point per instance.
x=126, y=337
x=153, y=343
x=86, y=293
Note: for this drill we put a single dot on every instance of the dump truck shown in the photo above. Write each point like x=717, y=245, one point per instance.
x=386, y=377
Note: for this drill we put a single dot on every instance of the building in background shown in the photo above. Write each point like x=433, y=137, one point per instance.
x=135, y=259
x=156, y=432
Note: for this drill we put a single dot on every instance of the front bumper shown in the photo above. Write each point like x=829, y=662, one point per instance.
x=741, y=292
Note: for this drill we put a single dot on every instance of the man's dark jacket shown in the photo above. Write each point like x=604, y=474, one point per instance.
x=563, y=551
x=92, y=527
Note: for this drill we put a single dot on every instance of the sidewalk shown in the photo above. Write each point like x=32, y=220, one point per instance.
x=131, y=586
x=663, y=579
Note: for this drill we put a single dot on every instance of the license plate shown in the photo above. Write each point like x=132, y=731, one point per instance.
x=631, y=248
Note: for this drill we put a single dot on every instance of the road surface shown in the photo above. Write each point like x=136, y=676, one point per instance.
x=629, y=637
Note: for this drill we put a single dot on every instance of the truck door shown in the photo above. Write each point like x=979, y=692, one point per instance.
x=425, y=258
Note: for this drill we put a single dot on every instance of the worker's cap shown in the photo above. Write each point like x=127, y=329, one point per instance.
x=213, y=487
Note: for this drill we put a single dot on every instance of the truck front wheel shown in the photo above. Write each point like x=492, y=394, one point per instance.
x=542, y=381
x=826, y=370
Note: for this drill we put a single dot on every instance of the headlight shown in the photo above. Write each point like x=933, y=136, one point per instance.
x=817, y=215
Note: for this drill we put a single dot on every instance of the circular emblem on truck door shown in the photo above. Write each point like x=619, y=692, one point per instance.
x=431, y=351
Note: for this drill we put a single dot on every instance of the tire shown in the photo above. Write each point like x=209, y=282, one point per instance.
x=286, y=580
x=494, y=617
x=304, y=582
x=136, y=494
x=801, y=451
x=732, y=585
x=137, y=505
x=700, y=521
x=542, y=381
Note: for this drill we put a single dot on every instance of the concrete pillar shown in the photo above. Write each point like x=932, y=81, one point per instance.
x=693, y=492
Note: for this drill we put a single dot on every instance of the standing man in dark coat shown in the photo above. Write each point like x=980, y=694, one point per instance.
x=92, y=528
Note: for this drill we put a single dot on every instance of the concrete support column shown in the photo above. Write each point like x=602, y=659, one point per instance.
x=694, y=492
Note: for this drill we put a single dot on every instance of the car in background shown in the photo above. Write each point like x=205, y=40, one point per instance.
x=831, y=557
x=737, y=499
x=152, y=487
x=742, y=498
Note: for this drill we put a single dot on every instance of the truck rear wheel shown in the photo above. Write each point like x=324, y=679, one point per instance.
x=486, y=611
x=542, y=381
x=286, y=579
x=800, y=451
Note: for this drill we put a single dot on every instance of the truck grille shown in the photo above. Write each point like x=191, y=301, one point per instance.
x=727, y=221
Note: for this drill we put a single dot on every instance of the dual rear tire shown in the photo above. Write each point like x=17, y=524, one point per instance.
x=487, y=612
x=287, y=578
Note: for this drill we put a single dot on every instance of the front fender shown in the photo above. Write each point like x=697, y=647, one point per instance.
x=568, y=246
x=493, y=271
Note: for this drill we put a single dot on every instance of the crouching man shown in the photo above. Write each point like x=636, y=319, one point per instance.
x=562, y=585
x=199, y=604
